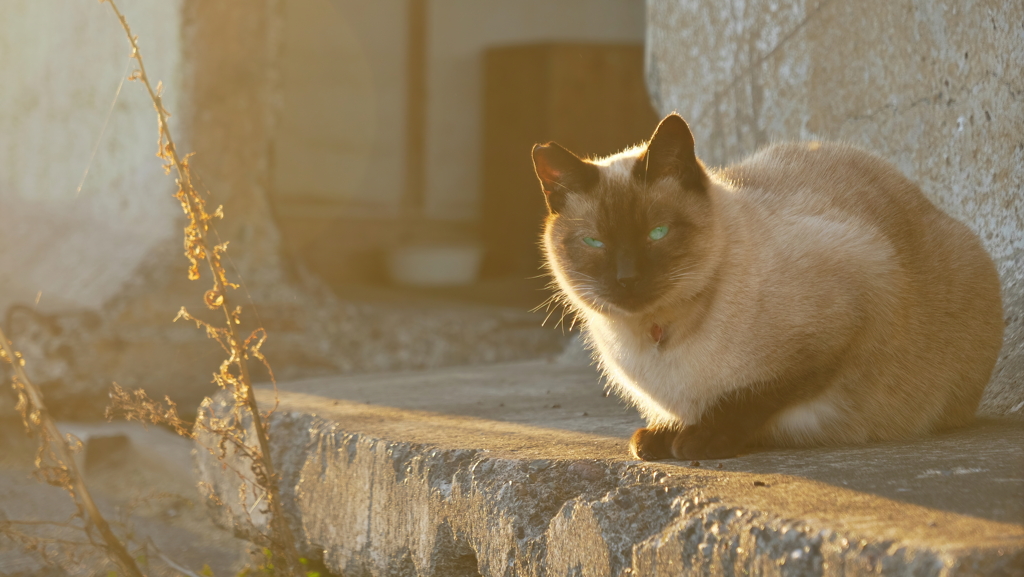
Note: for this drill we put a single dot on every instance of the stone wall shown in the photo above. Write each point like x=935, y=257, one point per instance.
x=937, y=87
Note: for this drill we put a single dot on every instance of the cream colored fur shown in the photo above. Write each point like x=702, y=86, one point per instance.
x=821, y=258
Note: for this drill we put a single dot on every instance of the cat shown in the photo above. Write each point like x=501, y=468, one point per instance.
x=808, y=295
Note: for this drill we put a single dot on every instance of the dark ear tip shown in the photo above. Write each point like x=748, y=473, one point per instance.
x=673, y=119
x=674, y=129
x=542, y=148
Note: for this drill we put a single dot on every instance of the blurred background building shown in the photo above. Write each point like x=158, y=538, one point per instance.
x=342, y=137
x=354, y=143
x=399, y=119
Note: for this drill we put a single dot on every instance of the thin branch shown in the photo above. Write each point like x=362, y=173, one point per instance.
x=36, y=417
x=197, y=247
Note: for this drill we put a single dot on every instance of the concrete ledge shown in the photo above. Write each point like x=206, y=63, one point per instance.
x=541, y=486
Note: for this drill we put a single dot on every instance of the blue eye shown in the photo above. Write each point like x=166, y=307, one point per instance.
x=659, y=232
x=593, y=242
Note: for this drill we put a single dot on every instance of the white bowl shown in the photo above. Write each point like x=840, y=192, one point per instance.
x=435, y=265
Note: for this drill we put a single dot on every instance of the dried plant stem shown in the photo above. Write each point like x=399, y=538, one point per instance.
x=37, y=416
x=198, y=247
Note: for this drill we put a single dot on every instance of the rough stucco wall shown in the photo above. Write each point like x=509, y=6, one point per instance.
x=937, y=87
x=61, y=66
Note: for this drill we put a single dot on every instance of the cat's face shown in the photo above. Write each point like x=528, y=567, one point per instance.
x=630, y=231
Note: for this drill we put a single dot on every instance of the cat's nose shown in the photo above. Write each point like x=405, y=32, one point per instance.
x=628, y=282
x=626, y=272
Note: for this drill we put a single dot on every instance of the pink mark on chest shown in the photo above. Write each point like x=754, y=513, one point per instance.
x=656, y=333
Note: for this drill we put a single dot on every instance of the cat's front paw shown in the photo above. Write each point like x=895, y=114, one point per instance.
x=651, y=444
x=704, y=442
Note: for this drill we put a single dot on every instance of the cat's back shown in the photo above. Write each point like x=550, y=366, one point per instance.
x=819, y=177
x=846, y=185
x=942, y=319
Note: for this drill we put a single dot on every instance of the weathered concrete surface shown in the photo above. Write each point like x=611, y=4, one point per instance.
x=936, y=87
x=522, y=470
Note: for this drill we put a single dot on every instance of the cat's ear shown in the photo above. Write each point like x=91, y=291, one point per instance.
x=561, y=173
x=670, y=154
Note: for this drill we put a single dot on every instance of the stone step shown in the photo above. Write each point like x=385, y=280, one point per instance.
x=521, y=470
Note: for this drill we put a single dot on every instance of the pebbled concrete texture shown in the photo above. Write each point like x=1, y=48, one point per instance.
x=521, y=469
x=935, y=87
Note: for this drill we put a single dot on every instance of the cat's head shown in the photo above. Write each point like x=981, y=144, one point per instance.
x=628, y=232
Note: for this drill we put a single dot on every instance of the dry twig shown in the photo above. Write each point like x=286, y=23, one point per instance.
x=233, y=374
x=55, y=461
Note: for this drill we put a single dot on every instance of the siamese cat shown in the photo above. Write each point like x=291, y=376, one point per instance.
x=808, y=295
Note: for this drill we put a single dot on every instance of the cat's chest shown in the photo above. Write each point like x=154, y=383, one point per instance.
x=648, y=355
x=645, y=359
x=664, y=370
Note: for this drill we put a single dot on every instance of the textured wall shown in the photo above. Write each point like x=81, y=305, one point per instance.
x=935, y=86
x=61, y=66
